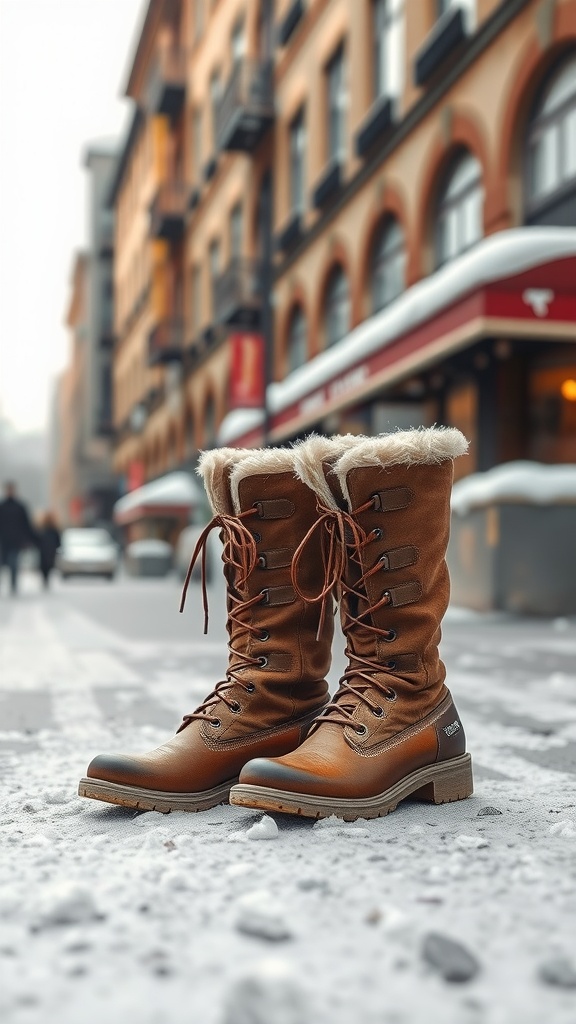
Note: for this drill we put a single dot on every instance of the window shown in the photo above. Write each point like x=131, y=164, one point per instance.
x=214, y=263
x=215, y=93
x=337, y=307
x=196, y=145
x=388, y=264
x=236, y=231
x=335, y=75
x=460, y=209
x=238, y=42
x=388, y=34
x=196, y=299
x=198, y=18
x=552, y=151
x=297, y=162
x=210, y=423
x=297, y=345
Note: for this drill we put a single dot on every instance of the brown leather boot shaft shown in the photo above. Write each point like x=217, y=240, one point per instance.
x=391, y=729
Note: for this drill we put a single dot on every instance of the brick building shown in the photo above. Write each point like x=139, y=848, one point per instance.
x=383, y=190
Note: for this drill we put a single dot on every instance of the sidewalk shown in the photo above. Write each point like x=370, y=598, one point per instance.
x=107, y=914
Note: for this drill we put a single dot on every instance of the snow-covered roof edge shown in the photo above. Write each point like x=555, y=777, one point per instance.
x=177, y=488
x=498, y=256
x=523, y=482
x=238, y=423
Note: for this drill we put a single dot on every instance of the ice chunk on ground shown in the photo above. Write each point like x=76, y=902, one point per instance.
x=269, y=993
x=64, y=903
x=470, y=842
x=486, y=812
x=449, y=958
x=260, y=914
x=565, y=828
x=266, y=828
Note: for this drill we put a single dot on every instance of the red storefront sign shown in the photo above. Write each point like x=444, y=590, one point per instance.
x=135, y=476
x=247, y=371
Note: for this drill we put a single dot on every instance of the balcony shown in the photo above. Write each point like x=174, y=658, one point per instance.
x=167, y=86
x=291, y=20
x=290, y=234
x=168, y=211
x=376, y=126
x=165, y=341
x=445, y=38
x=247, y=107
x=328, y=186
x=238, y=294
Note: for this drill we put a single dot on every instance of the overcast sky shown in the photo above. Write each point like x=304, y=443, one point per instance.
x=63, y=66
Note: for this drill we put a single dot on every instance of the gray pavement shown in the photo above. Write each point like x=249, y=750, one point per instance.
x=325, y=923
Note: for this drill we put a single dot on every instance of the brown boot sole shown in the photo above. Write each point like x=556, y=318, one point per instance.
x=153, y=800
x=439, y=783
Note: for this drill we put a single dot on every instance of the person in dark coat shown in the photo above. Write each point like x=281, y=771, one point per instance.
x=48, y=544
x=16, y=532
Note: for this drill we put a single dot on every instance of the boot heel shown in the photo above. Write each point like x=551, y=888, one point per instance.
x=451, y=781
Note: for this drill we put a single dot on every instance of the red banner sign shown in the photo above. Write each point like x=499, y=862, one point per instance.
x=135, y=476
x=247, y=371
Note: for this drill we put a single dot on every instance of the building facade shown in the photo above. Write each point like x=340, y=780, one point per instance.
x=347, y=215
x=83, y=485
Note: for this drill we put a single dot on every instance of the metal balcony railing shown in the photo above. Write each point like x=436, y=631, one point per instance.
x=168, y=210
x=238, y=294
x=247, y=106
x=167, y=84
x=165, y=341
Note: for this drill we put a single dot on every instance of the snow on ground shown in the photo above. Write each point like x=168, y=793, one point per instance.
x=461, y=914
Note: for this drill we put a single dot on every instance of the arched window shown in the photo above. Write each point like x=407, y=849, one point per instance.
x=388, y=265
x=551, y=141
x=336, y=307
x=297, y=344
x=460, y=209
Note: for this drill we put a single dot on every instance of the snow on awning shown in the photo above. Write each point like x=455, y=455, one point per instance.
x=173, y=494
x=240, y=423
x=522, y=482
x=519, y=282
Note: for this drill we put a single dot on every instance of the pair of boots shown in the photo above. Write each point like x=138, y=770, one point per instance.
x=362, y=519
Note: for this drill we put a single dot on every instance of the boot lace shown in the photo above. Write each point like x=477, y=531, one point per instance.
x=241, y=556
x=343, y=540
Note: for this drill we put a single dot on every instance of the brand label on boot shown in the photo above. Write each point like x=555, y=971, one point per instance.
x=451, y=729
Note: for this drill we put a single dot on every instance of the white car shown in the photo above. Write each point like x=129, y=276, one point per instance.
x=87, y=552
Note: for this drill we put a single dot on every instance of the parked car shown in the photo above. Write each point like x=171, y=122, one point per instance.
x=87, y=552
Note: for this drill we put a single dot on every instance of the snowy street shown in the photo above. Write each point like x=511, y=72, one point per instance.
x=460, y=914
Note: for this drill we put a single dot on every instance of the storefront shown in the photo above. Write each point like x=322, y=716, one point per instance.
x=487, y=344
x=160, y=509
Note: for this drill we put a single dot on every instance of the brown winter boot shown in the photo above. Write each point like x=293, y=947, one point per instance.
x=392, y=729
x=274, y=686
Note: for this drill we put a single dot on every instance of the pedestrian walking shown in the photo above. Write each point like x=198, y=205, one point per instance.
x=48, y=544
x=16, y=532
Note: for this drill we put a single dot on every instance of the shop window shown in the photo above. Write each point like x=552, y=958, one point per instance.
x=459, y=222
x=388, y=42
x=551, y=142
x=388, y=264
x=337, y=307
x=552, y=405
x=297, y=344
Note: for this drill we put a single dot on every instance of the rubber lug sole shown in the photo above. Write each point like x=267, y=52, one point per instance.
x=153, y=800
x=439, y=783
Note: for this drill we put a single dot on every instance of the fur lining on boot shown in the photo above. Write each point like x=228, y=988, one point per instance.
x=259, y=462
x=214, y=467
x=309, y=456
x=427, y=445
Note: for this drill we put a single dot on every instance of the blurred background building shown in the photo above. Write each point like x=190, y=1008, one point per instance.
x=83, y=485
x=333, y=215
